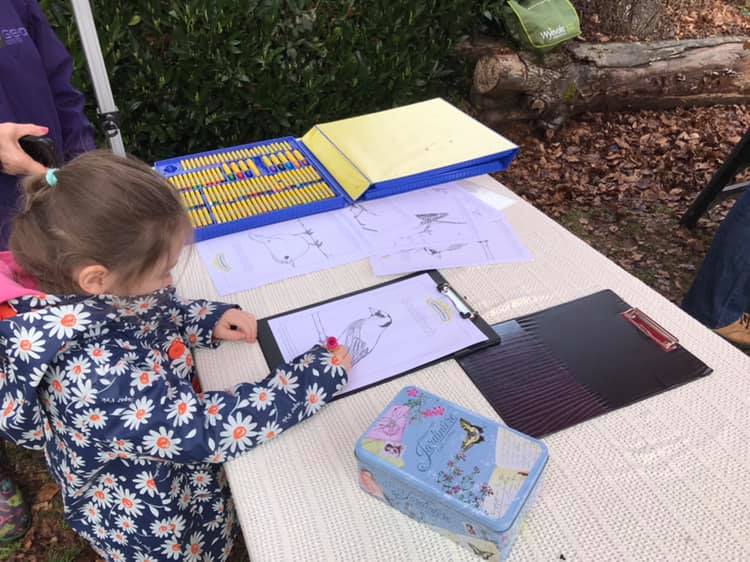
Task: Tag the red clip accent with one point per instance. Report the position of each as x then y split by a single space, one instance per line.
648 326
332 344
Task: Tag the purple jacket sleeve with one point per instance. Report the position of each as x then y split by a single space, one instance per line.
78 133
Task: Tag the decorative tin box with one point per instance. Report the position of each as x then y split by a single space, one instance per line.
469 478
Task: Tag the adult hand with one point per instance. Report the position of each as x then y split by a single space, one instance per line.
13 160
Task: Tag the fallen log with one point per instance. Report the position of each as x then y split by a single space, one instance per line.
610 76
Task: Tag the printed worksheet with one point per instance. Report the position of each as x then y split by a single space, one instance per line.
423 217
252 258
388 330
500 245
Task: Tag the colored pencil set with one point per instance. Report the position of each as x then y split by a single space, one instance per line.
245 182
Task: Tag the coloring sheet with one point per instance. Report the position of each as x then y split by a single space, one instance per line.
423 217
388 330
252 258
501 245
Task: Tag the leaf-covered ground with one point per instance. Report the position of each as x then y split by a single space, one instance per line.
619 181
622 181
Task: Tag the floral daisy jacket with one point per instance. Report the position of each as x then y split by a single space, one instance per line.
104 385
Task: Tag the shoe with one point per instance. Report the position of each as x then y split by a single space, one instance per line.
737 333
14 513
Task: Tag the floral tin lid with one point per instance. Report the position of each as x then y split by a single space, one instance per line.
473 465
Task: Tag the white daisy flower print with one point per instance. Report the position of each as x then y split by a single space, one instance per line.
161 528
141 557
91 513
183 365
78 367
115 555
213 407
108 480
175 317
331 364
172 549
84 394
118 537
126 524
146 328
144 304
27 344
193 335
177 524
145 483
200 311
261 398
184 500
138 413
96 417
238 433
58 385
142 379
79 439
101 496
101 532
162 443
194 549
42 301
269 431
182 410
305 361
63 321
99 353
200 479
128 502
314 398
284 381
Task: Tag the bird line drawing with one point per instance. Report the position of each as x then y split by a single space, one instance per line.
358 211
438 252
428 220
361 336
287 249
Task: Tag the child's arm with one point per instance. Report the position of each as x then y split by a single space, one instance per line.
199 318
167 421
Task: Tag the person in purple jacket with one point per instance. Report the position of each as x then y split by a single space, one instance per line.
36 98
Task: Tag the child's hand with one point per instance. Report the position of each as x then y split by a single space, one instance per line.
341 353
236 325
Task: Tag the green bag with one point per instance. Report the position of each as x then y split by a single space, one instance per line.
541 25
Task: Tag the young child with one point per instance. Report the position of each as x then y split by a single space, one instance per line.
96 366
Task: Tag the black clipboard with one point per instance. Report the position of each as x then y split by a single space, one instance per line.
273 355
575 361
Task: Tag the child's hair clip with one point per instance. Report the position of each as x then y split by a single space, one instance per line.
51 177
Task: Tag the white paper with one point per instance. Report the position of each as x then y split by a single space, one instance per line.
252 258
418 218
388 330
487 196
500 245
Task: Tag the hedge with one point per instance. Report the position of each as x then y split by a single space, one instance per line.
192 75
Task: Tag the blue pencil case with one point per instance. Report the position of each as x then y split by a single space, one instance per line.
468 478
250 185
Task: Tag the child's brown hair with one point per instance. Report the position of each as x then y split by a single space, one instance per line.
103 209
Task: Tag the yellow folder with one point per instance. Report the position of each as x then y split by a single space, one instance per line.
402 142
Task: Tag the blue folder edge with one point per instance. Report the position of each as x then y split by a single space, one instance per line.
480 166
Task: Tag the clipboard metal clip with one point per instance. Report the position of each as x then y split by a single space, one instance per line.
461 305
648 326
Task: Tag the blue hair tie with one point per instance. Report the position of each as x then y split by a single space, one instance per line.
51 177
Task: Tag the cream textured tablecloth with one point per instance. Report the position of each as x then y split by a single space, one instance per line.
665 479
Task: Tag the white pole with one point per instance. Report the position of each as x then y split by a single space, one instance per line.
108 113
